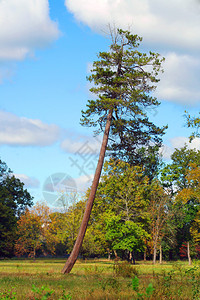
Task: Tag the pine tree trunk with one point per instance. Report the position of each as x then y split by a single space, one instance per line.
188 253
75 252
160 254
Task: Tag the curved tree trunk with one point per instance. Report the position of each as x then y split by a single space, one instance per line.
75 252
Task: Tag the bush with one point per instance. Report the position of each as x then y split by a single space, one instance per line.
124 269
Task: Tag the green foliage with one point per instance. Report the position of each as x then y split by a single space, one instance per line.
13 201
148 292
159 215
125 236
8 295
194 277
121 206
123 80
124 269
68 223
174 175
44 292
193 122
135 283
109 282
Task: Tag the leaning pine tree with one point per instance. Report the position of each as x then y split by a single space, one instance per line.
123 80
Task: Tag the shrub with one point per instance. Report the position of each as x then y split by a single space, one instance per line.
124 269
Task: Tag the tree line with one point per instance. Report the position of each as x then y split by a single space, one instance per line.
133 216
140 205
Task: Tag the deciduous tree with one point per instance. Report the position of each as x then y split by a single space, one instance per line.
173 175
14 199
29 234
158 215
122 203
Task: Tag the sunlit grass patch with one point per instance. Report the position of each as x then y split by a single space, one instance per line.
98 279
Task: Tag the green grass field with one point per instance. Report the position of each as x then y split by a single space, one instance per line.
98 279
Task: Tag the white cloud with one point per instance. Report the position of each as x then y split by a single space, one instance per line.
83 145
172 23
20 131
180 80
30 182
168 26
166 152
24 26
178 142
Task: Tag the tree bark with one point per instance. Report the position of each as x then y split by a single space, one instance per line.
108 254
145 254
188 253
133 257
154 254
130 257
160 254
115 253
75 252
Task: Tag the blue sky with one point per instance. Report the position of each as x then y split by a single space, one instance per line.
46 50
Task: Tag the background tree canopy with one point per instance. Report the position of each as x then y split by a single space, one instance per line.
13 201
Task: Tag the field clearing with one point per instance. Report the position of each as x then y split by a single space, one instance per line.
97 279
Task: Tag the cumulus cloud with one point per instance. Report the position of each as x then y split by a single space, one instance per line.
171 23
24 26
30 182
180 80
169 26
178 142
82 145
20 131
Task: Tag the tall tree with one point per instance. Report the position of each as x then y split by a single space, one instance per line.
188 200
29 232
174 175
13 201
123 80
122 202
128 236
36 229
158 215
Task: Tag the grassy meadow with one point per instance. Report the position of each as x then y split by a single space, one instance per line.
98 279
